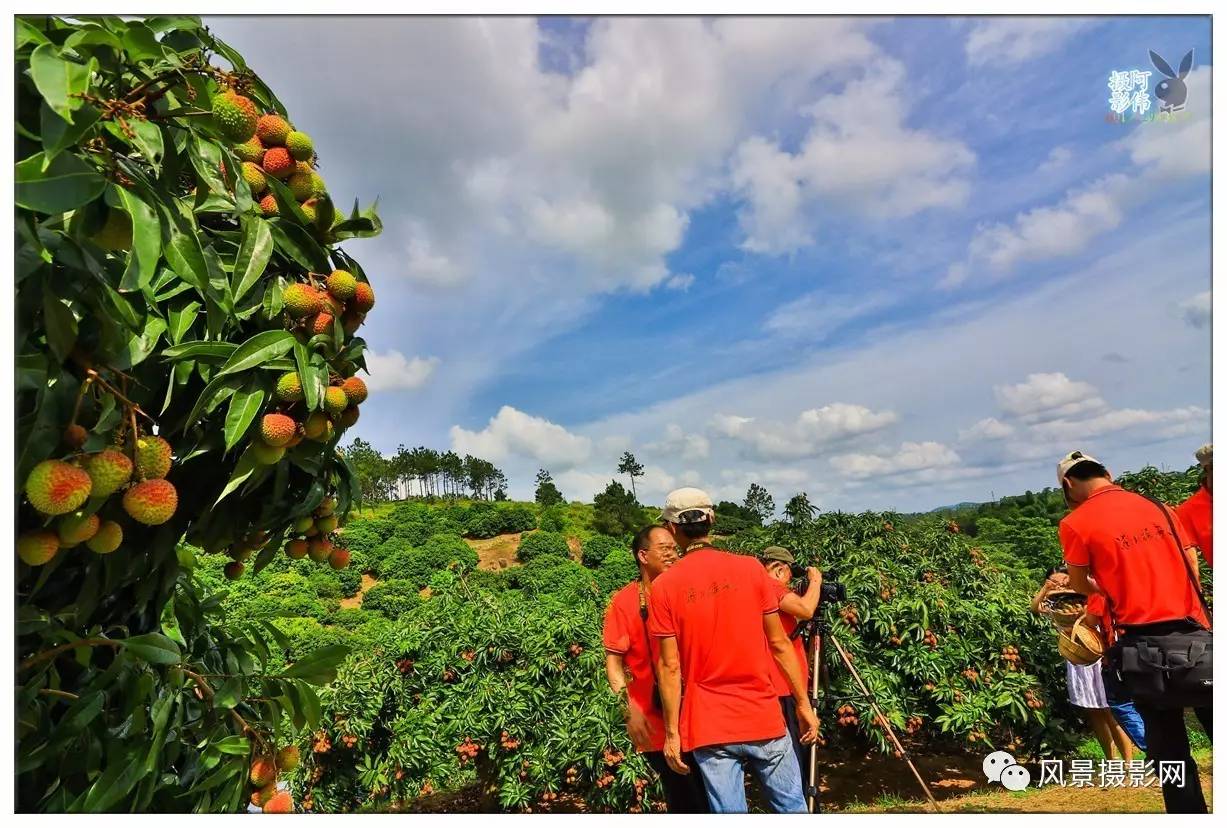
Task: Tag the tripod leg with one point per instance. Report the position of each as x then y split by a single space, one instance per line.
811 787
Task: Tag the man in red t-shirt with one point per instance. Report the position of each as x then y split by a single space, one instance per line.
628 650
716 616
1135 553
779 563
1197 513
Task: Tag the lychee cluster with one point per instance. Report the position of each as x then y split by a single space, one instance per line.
315 538
272 148
263 776
342 297
72 494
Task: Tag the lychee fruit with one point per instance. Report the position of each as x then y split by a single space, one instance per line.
261 796
319 549
322 324
75 436
152 457
151 502
341 284
296 549
107 539
303 523
348 417
76 528
57 488
300 185
301 300
339 559
252 150
265 454
108 470
277 163
326 524
355 390
281 803
364 297
299 145
254 176
268 205
335 400
308 211
318 427
36 548
272 130
327 506
289 387
235 116
263 771
277 429
287 758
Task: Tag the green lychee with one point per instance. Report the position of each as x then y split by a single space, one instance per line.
151 502
153 457
76 527
265 454
107 539
300 185
300 300
235 116
341 284
252 150
254 176
36 548
108 470
335 400
299 145
289 387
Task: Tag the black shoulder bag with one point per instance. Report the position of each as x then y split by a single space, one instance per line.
1168 668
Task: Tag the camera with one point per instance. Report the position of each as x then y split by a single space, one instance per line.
831 591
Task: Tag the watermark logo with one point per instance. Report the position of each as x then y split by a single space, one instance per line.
1129 92
1001 767
1110 773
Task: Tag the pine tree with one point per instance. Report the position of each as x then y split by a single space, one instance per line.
631 467
547 493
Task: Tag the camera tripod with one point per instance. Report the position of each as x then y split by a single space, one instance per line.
814 633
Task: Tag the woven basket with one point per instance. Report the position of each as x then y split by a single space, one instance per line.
1063 607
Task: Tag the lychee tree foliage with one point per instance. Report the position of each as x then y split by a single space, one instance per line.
943 637
155 350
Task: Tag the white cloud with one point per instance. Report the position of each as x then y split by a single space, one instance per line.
817 314
989 428
678 444
812 431
1196 310
513 432
859 155
1011 40
391 371
1162 424
1058 158
425 265
680 281
1181 146
1044 397
910 457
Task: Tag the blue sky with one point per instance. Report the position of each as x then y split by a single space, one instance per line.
893 263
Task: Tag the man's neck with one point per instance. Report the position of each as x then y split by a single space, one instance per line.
703 541
1098 484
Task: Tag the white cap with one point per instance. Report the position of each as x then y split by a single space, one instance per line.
688 505
1205 455
1069 461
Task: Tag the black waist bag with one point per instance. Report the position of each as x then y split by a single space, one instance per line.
1170 664
1169 670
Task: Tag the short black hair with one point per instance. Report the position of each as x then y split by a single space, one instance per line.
643 539
698 529
1086 470
1052 570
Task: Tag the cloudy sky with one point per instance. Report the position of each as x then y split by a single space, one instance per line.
892 263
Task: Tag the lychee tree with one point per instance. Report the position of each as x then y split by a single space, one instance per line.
186 364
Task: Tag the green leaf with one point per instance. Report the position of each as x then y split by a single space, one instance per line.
319 666
214 392
59 81
257 350
27 32
254 253
147 138
226 697
206 158
61 325
58 135
312 387
244 406
246 466
295 242
181 320
146 241
65 184
139 346
186 257
233 745
154 648
140 42
205 351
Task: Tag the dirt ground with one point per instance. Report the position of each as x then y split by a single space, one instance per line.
499 552
356 600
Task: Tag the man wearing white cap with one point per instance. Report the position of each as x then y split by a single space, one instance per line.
707 610
1197 513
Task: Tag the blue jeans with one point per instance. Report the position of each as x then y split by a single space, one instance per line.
773 761
1130 720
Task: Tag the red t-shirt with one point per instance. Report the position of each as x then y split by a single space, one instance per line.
790 625
1197 515
713 602
1126 543
626 634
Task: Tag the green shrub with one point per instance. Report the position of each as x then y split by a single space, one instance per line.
617 570
358 537
351 617
562 578
489 581
350 580
447 549
552 519
597 547
536 544
393 598
325 584
306 635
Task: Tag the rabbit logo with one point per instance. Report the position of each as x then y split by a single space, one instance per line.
1172 90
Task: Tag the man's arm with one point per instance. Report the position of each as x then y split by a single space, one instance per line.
803 607
786 659
1080 580
669 674
636 722
615 672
